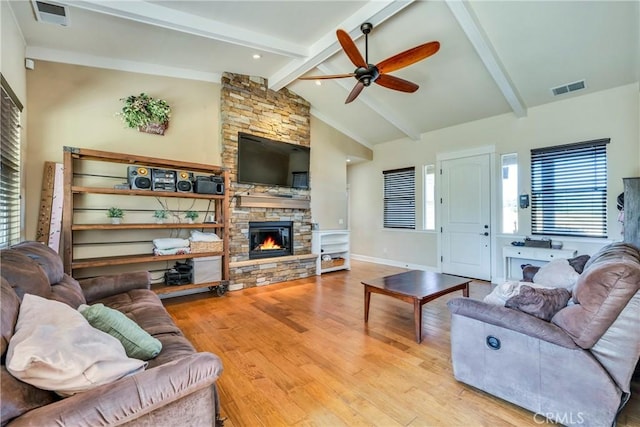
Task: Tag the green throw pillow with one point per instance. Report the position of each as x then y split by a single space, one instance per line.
136 341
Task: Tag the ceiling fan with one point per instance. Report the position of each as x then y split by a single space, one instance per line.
366 73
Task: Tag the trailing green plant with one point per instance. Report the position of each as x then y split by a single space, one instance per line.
114 212
161 214
191 214
142 110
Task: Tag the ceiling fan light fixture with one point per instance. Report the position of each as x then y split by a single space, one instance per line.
366 73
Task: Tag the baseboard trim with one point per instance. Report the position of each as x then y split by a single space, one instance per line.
394 263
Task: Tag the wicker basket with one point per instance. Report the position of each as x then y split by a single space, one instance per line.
199 247
335 262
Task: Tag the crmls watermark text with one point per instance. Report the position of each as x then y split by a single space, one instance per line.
567 418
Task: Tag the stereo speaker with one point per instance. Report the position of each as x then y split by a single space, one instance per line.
209 185
184 182
139 178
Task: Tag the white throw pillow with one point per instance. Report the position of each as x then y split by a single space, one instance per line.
556 274
55 348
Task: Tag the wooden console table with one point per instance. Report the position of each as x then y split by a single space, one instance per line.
529 255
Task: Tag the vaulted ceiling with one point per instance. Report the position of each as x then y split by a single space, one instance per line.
496 57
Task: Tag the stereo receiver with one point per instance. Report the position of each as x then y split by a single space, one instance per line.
163 180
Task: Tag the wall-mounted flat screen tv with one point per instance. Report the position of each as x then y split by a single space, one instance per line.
264 161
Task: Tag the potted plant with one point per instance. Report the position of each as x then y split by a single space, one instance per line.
191 216
160 215
115 214
145 113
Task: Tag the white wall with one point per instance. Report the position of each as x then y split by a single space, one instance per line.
329 151
608 114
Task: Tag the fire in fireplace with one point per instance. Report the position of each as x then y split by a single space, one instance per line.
270 239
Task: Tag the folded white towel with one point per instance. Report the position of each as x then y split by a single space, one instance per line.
199 236
173 251
169 243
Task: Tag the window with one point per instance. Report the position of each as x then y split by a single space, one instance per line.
9 167
399 198
510 193
569 189
429 198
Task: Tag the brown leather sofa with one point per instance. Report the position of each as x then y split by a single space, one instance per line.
575 369
177 388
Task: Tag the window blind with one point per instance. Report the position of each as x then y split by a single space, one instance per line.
569 189
399 198
9 167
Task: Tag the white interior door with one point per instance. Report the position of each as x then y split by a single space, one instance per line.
466 216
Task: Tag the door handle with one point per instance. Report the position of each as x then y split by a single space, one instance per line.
484 234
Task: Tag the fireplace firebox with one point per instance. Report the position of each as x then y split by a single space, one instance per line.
270 239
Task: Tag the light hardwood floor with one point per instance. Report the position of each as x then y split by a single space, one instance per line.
299 354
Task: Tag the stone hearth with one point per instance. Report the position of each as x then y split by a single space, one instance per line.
247 105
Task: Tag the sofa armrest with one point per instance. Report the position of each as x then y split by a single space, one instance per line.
132 397
510 319
105 286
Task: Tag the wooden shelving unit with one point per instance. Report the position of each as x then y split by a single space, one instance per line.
73 229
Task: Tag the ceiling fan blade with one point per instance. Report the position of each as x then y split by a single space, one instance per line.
350 49
355 92
328 76
408 57
396 83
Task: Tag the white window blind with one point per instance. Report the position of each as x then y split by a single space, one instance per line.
569 189
9 167
400 198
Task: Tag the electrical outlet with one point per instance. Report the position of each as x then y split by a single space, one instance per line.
340 221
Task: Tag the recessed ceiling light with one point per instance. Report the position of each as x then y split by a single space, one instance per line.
318 83
348 160
257 56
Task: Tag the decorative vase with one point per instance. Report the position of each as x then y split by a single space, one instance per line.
115 220
159 221
190 220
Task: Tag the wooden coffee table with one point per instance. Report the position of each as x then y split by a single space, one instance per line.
417 287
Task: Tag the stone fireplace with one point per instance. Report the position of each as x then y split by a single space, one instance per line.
249 106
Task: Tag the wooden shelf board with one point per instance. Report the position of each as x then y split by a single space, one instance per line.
103 190
330 269
144 226
161 288
135 259
130 159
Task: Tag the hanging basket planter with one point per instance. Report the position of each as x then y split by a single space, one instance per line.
147 114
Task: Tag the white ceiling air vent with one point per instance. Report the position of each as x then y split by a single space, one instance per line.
569 87
51 12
